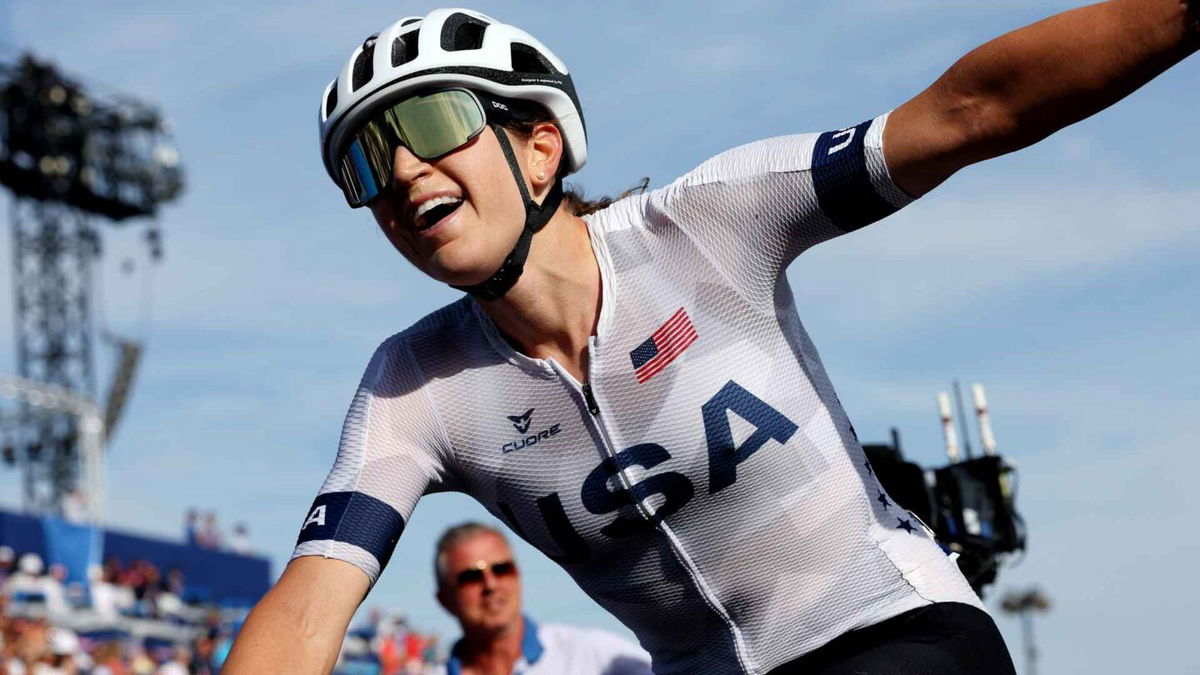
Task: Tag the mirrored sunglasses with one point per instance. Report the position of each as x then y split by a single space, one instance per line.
474 575
430 125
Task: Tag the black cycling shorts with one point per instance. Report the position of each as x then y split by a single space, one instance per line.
945 638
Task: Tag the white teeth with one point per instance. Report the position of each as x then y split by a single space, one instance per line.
436 201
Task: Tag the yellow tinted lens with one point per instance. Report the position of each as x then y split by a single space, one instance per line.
438 123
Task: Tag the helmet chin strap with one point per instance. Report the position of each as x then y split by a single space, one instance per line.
536 217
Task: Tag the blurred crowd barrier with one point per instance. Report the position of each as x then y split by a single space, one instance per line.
75 599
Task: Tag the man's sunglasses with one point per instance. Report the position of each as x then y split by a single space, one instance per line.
430 125
474 575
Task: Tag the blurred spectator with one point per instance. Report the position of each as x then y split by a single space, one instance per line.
430 655
140 662
240 541
107 597
54 589
179 663
58 572
74 507
191 528
27 645
174 581
202 653
479 584
414 652
63 654
29 585
389 647
30 565
112 569
8 635
146 587
373 626
73 593
221 649
209 536
385 644
8 561
25 585
108 660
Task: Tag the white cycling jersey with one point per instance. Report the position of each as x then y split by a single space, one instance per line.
705 485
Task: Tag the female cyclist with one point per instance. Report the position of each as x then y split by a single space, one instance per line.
630 388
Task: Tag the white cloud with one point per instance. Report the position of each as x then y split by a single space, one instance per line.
942 254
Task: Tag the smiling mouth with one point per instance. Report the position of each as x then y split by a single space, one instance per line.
434 211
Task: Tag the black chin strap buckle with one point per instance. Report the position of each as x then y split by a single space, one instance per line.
536 217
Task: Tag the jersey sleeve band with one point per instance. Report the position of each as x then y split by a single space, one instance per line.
354 518
842 180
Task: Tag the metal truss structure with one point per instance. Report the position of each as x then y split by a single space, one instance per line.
67 157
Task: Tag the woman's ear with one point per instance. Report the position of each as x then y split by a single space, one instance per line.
545 155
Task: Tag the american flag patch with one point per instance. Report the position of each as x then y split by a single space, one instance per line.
668 342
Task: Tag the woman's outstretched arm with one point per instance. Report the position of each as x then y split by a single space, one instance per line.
299 625
1021 87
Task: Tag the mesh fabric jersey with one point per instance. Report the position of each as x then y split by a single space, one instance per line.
705 486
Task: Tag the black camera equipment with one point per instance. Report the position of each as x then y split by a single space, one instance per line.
969 503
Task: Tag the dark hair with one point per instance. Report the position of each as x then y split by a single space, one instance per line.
524 116
578 204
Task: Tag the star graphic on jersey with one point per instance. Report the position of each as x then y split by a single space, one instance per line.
905 525
883 499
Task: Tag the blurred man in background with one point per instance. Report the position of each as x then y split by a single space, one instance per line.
478 583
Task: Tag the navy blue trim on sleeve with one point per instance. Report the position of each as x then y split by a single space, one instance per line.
842 180
354 518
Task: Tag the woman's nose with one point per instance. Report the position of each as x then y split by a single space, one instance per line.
407 168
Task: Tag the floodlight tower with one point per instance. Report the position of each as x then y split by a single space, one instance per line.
1024 604
68 156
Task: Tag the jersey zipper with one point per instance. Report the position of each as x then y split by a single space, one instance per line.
592 406
589 399
610 450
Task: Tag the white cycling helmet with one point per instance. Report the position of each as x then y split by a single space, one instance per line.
449 47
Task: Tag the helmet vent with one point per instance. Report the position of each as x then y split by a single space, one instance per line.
331 99
364 68
411 21
461 32
404 48
526 59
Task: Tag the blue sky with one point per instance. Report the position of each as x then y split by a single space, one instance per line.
1062 277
